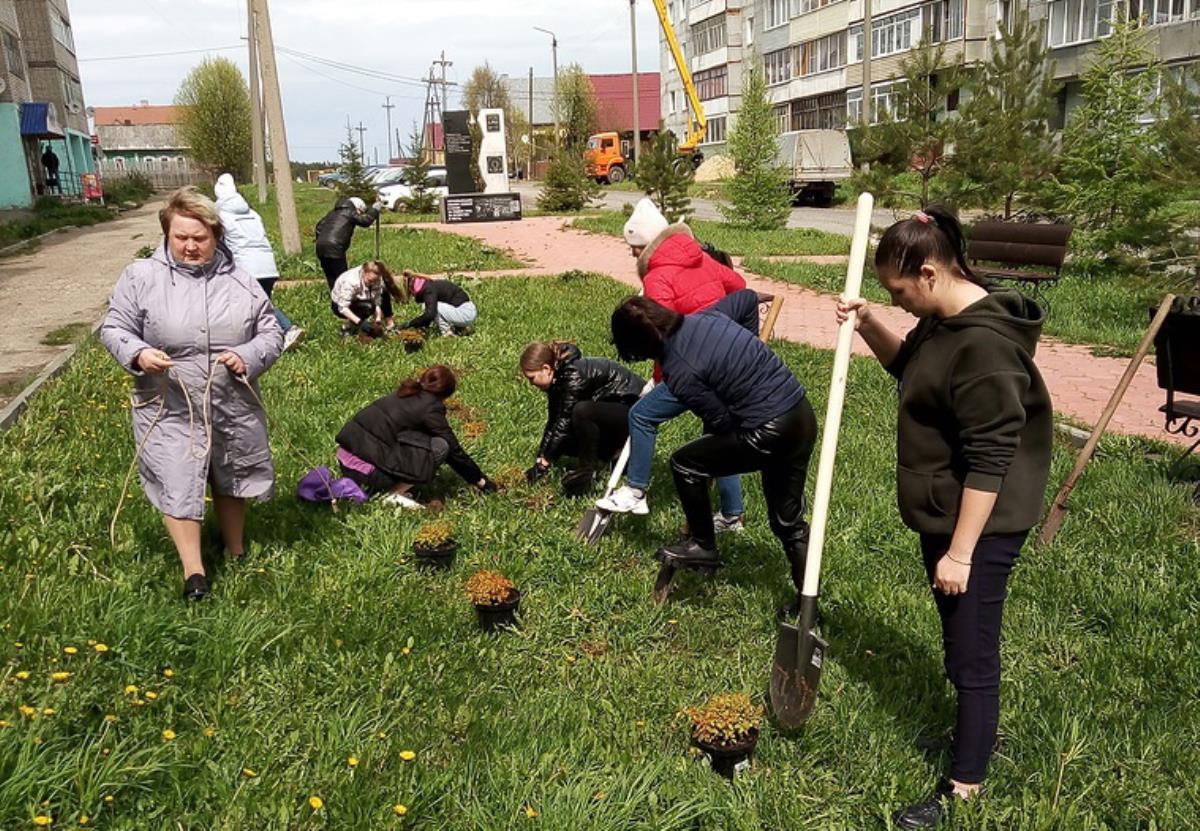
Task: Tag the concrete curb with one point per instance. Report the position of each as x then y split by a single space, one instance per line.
17 246
10 414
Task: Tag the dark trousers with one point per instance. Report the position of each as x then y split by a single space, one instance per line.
598 431
780 449
335 267
971 645
379 482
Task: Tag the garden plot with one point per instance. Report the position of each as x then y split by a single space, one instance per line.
331 682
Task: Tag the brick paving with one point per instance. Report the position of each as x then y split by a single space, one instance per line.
1079 381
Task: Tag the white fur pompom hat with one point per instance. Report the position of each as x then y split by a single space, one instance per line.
646 223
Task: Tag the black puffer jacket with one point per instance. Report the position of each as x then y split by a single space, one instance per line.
336 228
432 293
394 433
582 379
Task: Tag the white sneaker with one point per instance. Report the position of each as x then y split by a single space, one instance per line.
292 337
723 523
624 500
401 501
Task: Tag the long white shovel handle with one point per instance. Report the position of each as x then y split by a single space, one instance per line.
837 397
623 459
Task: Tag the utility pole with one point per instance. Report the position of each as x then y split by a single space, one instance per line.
529 172
637 102
362 148
554 55
866 70
443 63
257 137
289 226
389 106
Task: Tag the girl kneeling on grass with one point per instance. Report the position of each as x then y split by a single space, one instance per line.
399 440
445 303
363 296
588 403
974 433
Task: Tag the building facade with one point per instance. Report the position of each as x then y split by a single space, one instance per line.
142 138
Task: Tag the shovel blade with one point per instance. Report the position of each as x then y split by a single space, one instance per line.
662 583
593 525
796 670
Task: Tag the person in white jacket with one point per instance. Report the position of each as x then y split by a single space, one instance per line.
247 239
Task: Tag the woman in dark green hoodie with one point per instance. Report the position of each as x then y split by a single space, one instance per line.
974 430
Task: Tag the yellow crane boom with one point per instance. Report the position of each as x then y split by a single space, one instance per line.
697 124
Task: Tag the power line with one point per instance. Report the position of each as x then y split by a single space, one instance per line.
157 54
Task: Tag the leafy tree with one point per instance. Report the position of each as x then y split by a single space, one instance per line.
1178 134
354 180
216 117
758 193
1004 147
567 187
575 104
1106 183
421 201
913 135
665 177
487 90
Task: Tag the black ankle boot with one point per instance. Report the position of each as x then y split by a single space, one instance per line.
195 587
929 812
690 554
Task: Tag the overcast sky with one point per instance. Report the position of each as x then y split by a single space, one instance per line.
400 37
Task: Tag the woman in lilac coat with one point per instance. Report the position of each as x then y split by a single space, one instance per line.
196 332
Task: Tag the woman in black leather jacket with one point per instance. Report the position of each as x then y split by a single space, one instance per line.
588 407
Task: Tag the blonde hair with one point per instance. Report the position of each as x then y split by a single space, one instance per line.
189 202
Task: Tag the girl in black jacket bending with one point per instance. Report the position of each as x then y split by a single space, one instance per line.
399 440
588 402
756 416
974 432
445 303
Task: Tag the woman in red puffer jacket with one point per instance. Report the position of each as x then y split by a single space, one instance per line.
677 273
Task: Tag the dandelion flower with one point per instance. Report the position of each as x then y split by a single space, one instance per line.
168 673
209 732
91 642
138 702
26 710
18 645
131 689
4 724
23 675
316 803
100 647
352 761
84 819
168 735
71 650
399 810
49 711
529 812
407 755
111 718
405 651
249 773
42 819
109 799
59 677
151 695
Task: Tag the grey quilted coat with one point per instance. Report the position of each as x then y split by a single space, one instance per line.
195 314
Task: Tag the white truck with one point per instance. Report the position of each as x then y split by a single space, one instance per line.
816 160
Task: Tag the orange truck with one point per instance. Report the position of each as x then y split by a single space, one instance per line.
605 160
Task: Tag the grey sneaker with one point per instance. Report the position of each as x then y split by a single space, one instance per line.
734 524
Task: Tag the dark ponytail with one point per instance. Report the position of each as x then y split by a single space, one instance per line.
932 235
438 380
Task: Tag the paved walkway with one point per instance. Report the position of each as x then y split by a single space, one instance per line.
1079 382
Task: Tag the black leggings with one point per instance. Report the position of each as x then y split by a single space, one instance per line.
379 482
971 644
780 449
598 431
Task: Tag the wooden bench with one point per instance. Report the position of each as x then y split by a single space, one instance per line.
1037 249
1177 359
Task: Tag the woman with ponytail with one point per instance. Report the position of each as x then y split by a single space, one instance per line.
445 304
974 433
363 297
399 441
588 402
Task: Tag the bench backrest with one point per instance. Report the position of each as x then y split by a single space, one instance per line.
1019 243
1177 348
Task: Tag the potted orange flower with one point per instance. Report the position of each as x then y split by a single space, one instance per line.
726 729
495 599
435 546
412 339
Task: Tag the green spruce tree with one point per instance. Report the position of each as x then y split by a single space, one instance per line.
666 177
420 200
567 187
759 196
353 181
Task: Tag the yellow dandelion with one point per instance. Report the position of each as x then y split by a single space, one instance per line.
381 735
37 739
100 647
672 621
111 718
42 819
71 650
4 724
23 675
59 677
109 799
399 810
84 819
131 689
316 803
137 702
151 695
209 732
405 651
168 735
91 642
352 761
49 711
407 755
529 812
249 773
168 673
18 645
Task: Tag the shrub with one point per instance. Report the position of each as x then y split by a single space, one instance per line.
726 719
134 187
489 588
567 186
434 534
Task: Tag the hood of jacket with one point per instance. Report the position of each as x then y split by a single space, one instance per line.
567 352
228 198
1006 312
675 246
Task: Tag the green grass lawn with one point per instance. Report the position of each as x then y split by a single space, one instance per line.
328 643
740 243
49 214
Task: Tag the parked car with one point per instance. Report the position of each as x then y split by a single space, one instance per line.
392 194
330 180
389 176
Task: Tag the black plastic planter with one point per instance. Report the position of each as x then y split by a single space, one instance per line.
493 616
438 558
729 760
411 346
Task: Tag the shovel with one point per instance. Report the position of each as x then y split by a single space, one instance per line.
800 650
595 520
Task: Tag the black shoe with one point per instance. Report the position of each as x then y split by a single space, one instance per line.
579 482
195 587
689 554
929 813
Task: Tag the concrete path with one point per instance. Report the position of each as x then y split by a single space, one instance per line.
1079 382
64 279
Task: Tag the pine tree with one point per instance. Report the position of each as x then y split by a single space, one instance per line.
665 177
1005 147
353 181
567 187
1178 134
420 200
758 193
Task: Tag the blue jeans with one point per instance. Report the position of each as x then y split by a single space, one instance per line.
658 407
267 285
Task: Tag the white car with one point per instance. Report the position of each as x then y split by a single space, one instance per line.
396 187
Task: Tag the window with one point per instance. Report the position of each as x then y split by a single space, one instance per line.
674 108
1076 21
820 112
119 163
715 133
708 35
72 91
12 55
712 83
780 112
750 30
812 5
148 164
884 101
822 54
62 32
942 20
777 66
889 35
777 13
794 7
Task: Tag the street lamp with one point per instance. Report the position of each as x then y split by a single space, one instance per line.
554 53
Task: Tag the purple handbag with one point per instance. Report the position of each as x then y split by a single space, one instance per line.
318 485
